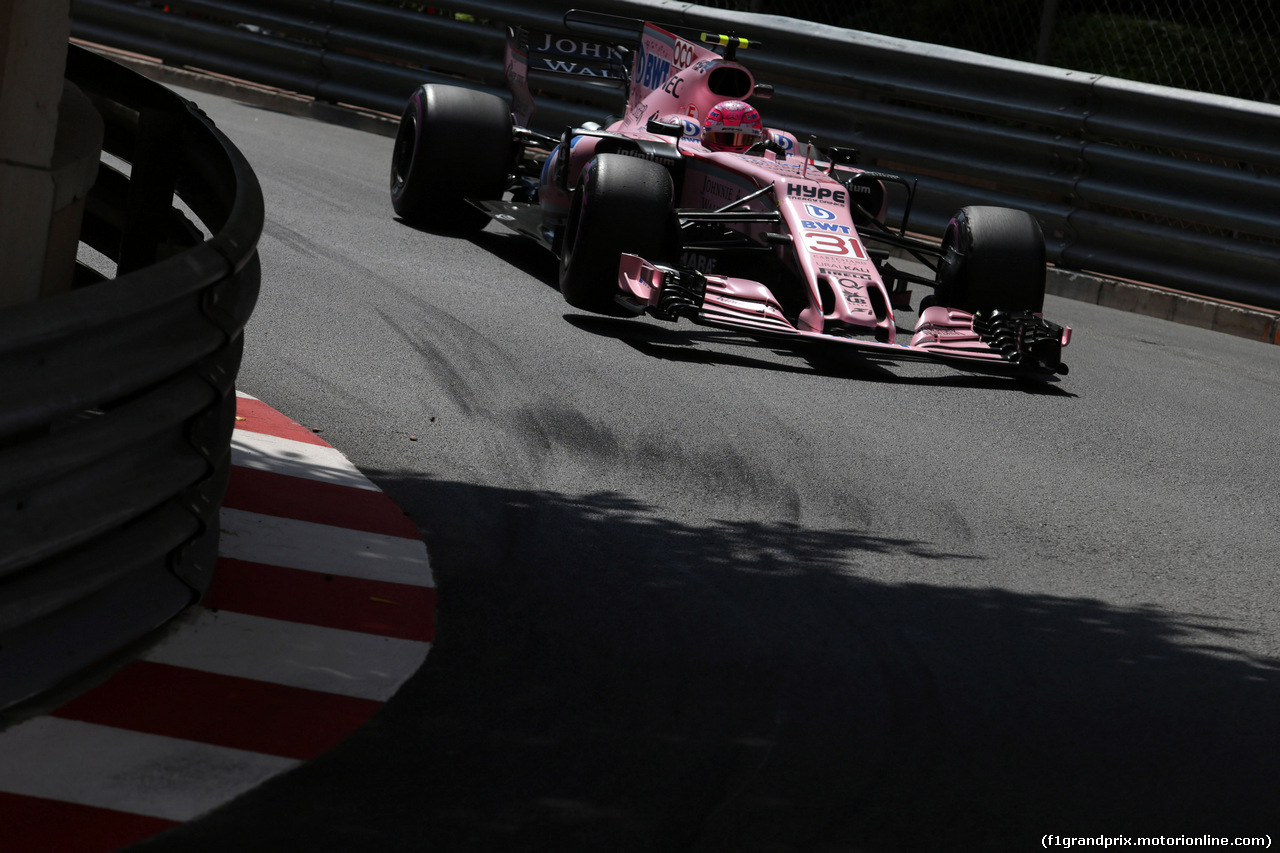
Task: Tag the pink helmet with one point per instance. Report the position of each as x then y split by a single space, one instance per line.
731 126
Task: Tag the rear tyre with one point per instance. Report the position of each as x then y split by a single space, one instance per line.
993 258
621 204
453 144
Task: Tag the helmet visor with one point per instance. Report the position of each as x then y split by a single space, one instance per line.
730 139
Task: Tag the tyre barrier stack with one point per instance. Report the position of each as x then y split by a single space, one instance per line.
117 398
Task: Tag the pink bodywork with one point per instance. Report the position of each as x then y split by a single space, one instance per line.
675 80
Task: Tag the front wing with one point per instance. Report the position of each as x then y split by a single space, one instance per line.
1019 342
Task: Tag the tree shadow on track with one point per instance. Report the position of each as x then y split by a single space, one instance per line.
606 677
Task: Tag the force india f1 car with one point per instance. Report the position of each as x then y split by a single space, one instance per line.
687 207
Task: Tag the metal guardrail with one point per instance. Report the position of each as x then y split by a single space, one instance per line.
1161 185
116 399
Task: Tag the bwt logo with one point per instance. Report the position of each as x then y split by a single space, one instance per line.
829 227
816 212
816 193
655 72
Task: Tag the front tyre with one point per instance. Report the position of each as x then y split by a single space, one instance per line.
993 258
453 144
621 204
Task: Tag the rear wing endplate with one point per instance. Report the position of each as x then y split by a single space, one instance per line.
531 54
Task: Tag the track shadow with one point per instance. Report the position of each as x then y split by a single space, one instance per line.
685 342
876 368
607 677
521 252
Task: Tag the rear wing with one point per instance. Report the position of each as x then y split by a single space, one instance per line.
531 54
608 49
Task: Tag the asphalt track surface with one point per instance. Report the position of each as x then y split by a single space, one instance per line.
696 595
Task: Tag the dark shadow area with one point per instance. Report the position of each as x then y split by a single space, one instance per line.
515 249
522 253
872 367
609 678
685 342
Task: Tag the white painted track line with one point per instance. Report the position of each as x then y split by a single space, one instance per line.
131 753
324 464
127 771
330 660
323 548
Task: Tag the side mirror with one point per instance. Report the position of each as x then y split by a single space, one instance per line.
663 128
762 91
776 147
843 156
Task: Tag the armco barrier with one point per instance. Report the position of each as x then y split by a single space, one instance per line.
116 399
1162 185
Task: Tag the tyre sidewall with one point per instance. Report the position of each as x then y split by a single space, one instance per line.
993 258
462 147
621 204
406 192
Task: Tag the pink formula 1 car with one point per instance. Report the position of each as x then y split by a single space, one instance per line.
688 206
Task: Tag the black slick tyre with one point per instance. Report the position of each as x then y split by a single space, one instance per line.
453 144
621 204
993 258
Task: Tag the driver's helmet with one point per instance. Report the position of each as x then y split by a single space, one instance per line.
731 126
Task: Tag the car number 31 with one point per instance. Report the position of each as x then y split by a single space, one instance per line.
833 244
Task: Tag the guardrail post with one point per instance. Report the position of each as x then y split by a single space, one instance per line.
1048 18
151 186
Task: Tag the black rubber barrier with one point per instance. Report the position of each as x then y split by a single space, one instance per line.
117 399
